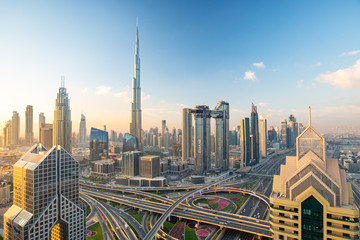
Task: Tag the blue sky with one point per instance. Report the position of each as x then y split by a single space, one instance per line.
281 55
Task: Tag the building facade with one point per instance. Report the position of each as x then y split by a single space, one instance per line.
131 163
46 197
186 124
46 135
7 134
221 115
15 128
311 198
99 144
29 116
263 136
245 145
62 125
103 168
254 131
150 166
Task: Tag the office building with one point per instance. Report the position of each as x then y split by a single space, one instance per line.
42 120
135 124
284 134
202 151
150 166
263 136
46 197
245 145
4 192
99 144
254 131
46 135
7 134
186 124
311 198
62 126
131 163
163 129
15 128
29 116
221 115
272 135
103 168
130 143
82 131
294 130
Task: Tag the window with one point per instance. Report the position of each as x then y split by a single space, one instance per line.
307 211
346 235
281 221
329 224
281 237
346 226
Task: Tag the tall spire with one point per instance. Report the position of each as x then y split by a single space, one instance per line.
309 116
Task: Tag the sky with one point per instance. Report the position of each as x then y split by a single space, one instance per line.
281 55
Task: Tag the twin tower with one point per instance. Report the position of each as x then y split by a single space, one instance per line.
202 136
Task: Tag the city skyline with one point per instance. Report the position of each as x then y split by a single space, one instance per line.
103 93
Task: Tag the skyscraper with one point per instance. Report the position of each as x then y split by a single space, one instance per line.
82 131
46 135
311 198
254 130
294 130
99 144
221 115
62 127
135 124
284 134
29 134
186 125
7 134
41 121
15 128
163 130
245 145
202 142
263 136
46 197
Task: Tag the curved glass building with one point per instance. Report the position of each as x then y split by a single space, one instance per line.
99 144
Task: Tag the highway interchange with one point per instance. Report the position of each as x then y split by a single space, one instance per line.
244 224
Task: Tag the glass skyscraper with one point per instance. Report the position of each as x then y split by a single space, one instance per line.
130 143
99 144
46 197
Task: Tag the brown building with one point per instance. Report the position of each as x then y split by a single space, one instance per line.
149 166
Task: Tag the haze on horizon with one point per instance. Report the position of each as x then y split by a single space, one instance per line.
283 56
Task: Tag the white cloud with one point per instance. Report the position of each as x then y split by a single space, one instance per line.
259 65
84 90
263 104
182 105
250 75
300 83
318 64
343 78
355 52
101 90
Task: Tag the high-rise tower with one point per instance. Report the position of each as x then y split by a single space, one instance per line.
15 128
62 127
186 124
254 131
41 121
135 124
46 197
82 131
263 136
29 134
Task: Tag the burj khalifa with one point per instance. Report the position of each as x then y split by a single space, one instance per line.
135 124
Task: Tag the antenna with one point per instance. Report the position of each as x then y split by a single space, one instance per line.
62 81
309 116
137 22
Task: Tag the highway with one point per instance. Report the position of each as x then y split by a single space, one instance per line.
217 218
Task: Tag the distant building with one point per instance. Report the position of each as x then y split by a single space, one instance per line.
131 163
82 131
62 125
15 128
46 197
149 166
4 193
263 136
186 124
42 120
245 144
7 134
130 143
254 131
284 134
46 135
99 144
311 198
103 168
29 134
